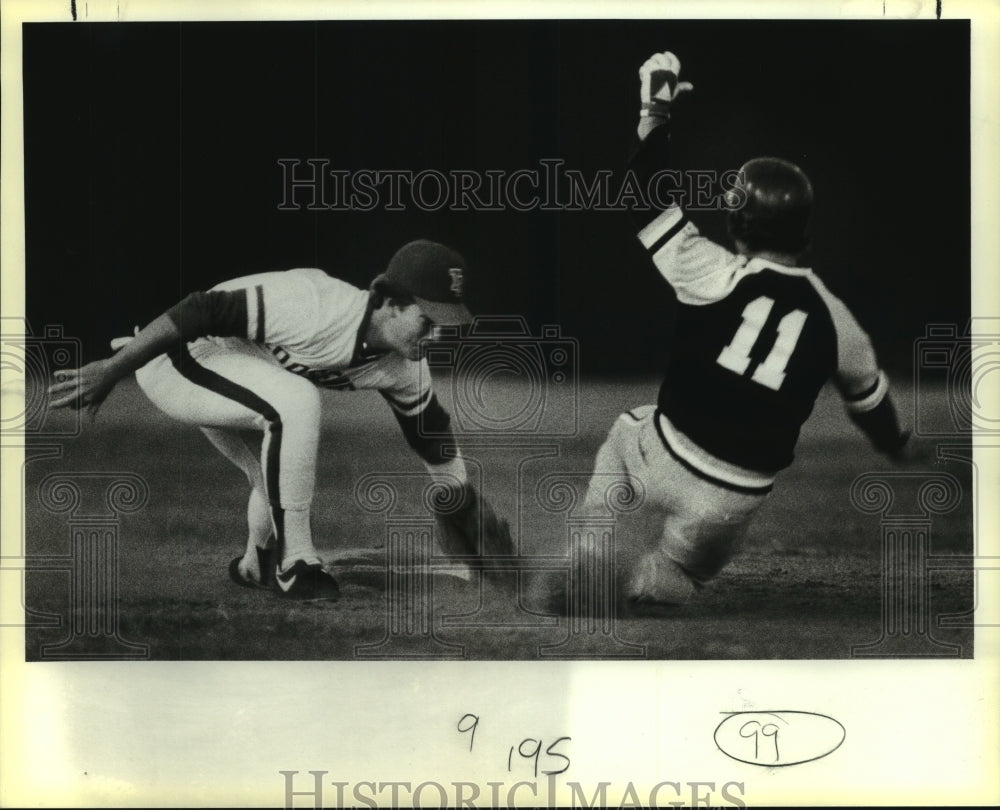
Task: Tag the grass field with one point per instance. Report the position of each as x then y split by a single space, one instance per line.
808 584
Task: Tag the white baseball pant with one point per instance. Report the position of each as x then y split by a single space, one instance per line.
700 522
233 386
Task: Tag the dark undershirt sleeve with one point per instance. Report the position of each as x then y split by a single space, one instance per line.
650 156
881 425
427 432
222 313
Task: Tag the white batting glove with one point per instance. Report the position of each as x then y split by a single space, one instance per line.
660 85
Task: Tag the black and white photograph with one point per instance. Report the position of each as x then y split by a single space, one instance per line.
504 345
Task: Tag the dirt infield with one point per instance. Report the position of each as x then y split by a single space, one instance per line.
808 584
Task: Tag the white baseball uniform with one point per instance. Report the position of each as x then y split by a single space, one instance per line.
257 349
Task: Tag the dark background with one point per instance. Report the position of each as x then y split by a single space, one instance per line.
151 160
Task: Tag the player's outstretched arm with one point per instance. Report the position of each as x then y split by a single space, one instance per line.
659 86
874 413
88 386
222 313
863 385
468 525
687 260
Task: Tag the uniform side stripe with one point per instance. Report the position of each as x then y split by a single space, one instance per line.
663 226
702 474
259 335
192 370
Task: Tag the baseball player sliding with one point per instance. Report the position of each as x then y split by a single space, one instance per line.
251 353
756 337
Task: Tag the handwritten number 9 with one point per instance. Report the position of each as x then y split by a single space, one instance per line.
747 730
469 727
526 754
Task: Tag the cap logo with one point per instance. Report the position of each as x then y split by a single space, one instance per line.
457 281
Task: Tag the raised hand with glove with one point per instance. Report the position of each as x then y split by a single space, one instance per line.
660 85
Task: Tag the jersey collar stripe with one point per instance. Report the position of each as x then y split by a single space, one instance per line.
662 224
702 467
192 370
259 333
359 343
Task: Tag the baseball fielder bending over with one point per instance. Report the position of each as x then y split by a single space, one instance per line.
756 337
250 353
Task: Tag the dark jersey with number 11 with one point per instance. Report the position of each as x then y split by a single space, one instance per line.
754 342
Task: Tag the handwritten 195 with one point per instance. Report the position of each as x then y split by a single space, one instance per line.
548 760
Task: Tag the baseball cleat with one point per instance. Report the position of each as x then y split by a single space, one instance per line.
259 575
307 581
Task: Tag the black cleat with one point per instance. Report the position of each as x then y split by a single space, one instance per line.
263 577
307 581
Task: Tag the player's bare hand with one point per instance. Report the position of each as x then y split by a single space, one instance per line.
660 79
85 387
119 343
916 451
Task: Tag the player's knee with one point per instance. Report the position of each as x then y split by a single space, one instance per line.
625 426
704 553
657 579
298 404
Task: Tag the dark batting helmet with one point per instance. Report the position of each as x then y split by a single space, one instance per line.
777 201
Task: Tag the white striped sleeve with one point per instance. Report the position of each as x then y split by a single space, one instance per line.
697 268
282 307
255 313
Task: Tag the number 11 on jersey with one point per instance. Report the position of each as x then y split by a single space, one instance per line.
736 356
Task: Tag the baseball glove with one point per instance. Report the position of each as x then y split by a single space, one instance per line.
468 525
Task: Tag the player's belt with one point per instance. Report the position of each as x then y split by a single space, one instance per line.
707 467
